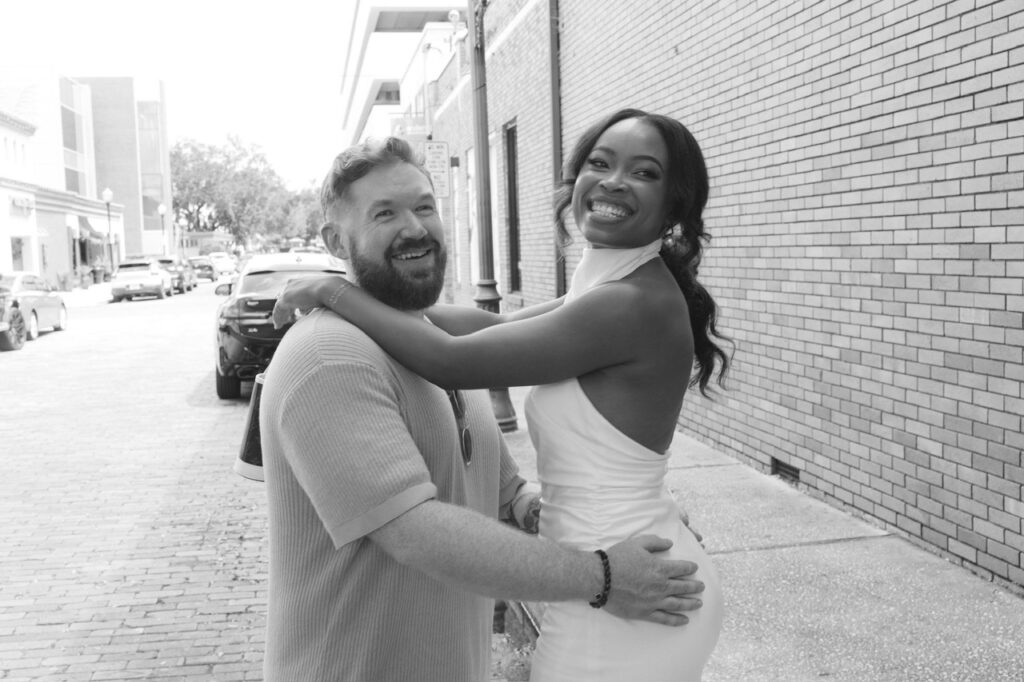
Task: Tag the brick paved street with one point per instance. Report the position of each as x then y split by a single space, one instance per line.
128 549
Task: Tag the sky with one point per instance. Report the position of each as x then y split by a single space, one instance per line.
269 73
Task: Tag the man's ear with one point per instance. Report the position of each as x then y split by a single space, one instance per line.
331 234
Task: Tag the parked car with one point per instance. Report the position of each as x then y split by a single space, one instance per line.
203 267
141 277
183 275
27 305
223 263
246 338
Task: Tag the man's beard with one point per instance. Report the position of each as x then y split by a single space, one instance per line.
381 280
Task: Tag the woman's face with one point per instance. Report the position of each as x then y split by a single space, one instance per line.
619 198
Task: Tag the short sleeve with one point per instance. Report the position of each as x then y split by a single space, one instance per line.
350 449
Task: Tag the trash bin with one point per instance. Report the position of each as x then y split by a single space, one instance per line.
97 275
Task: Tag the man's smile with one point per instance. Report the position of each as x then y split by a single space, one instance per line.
412 255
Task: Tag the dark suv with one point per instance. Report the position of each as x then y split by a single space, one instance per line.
246 338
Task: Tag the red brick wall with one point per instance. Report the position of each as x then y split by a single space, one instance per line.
867 222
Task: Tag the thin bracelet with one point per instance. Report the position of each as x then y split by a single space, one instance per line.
342 288
602 599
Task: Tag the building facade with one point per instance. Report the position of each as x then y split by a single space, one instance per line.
85 167
133 158
53 217
866 222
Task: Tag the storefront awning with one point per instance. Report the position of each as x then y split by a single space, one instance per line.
86 230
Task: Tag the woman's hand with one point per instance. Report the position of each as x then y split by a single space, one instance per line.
302 295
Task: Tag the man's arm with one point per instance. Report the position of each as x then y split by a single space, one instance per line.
464 548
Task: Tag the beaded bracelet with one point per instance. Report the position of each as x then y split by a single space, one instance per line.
602 598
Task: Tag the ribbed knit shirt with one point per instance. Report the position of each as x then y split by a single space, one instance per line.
351 440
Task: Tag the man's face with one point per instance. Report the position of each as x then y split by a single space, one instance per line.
388 229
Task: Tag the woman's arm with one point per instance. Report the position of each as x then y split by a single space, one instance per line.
312 292
458 320
604 328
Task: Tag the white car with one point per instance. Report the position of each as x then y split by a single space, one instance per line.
27 304
223 263
141 277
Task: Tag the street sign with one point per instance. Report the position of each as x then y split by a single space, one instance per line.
438 164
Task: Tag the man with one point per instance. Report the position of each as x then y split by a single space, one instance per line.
384 490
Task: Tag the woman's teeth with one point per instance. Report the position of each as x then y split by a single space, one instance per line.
608 210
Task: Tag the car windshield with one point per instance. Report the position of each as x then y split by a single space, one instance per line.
271 282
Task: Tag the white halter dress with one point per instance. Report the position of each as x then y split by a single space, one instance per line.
598 487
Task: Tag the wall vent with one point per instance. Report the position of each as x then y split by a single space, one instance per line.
787 472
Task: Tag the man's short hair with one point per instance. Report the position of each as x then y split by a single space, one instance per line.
360 159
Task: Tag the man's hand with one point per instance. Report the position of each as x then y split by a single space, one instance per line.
647 587
300 295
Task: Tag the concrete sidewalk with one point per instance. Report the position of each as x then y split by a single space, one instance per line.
814 593
94 295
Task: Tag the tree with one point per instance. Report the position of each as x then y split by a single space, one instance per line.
305 216
230 187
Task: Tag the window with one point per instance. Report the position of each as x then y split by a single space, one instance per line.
69 125
17 253
515 280
72 181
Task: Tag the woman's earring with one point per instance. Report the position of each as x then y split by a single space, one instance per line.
668 236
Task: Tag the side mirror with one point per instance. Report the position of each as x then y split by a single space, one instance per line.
223 289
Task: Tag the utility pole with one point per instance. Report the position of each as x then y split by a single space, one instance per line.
486 297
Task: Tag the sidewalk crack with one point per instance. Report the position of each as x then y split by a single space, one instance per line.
810 543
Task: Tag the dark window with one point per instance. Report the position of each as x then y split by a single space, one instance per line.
72 180
70 127
515 280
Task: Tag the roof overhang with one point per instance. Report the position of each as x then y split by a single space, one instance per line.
384 37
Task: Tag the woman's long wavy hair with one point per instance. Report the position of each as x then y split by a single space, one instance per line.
687 186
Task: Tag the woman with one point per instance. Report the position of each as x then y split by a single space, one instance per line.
611 363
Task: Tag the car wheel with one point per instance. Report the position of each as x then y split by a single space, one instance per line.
116 299
62 323
33 327
228 388
14 337
161 293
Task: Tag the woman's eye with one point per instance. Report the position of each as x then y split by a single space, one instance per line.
386 213
426 209
596 162
649 174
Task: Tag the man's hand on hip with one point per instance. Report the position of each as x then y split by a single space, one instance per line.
648 587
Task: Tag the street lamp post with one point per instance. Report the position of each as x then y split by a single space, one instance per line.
108 196
161 209
487 296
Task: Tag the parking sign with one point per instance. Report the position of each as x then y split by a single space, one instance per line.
438 164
